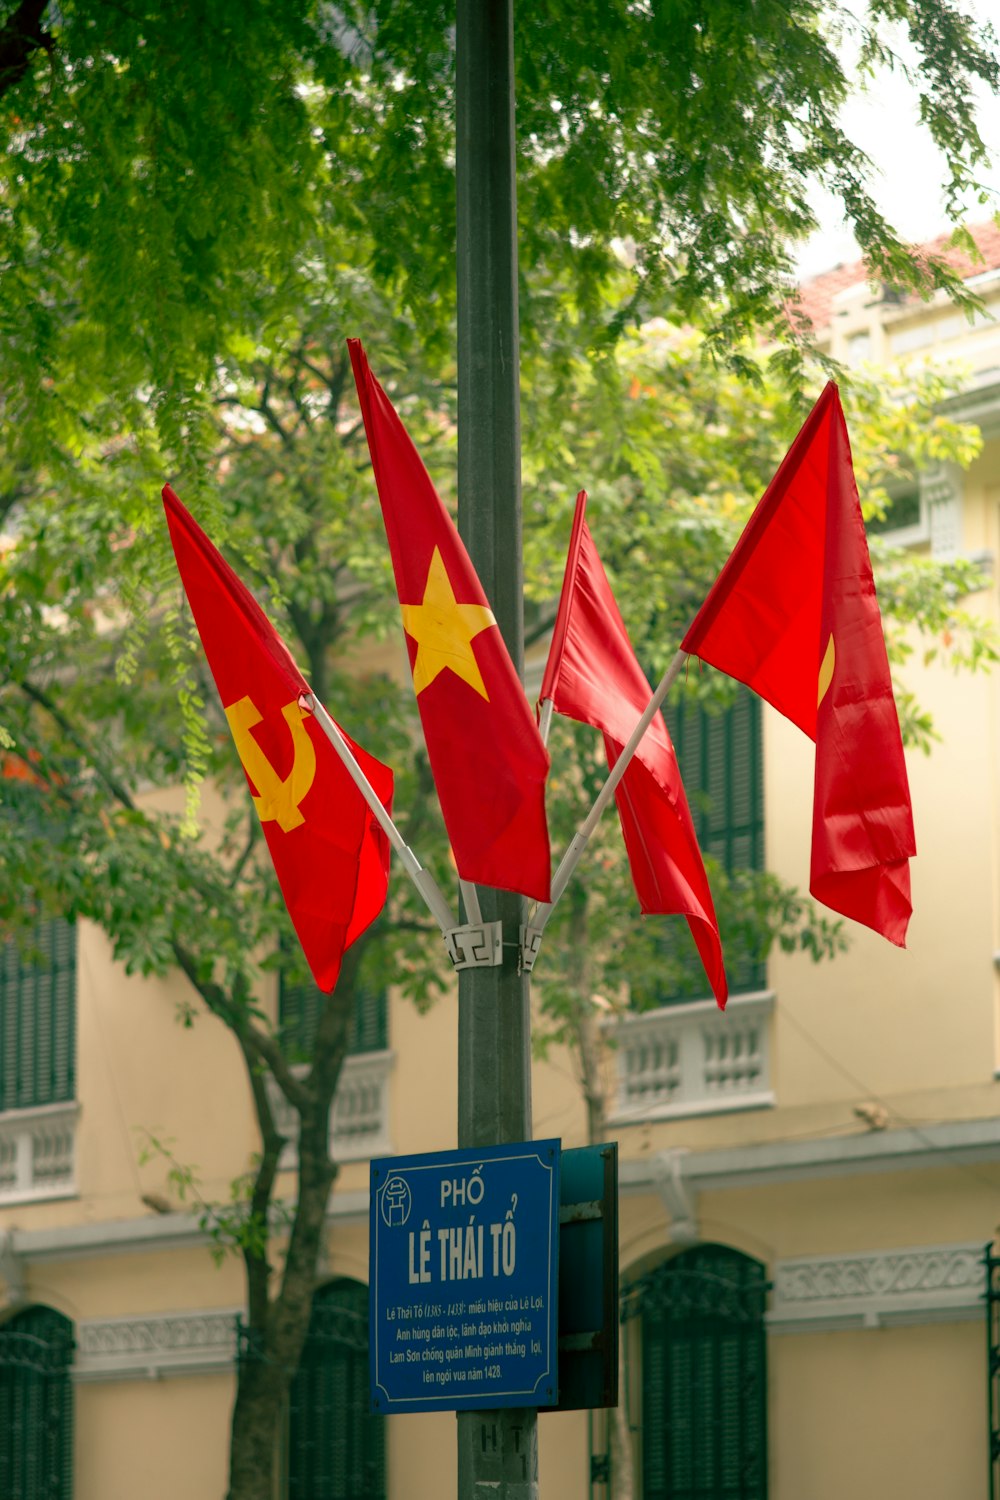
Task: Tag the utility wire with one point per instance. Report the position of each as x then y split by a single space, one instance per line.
891 1111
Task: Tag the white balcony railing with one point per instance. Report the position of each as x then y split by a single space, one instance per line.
38 1153
359 1122
359 1118
694 1059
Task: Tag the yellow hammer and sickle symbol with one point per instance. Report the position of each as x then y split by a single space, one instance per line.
279 799
826 671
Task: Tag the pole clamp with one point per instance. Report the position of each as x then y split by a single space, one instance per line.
477 945
531 941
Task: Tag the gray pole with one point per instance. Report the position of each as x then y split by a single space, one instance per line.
497 1450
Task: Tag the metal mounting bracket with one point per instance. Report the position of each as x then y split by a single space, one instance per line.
531 941
477 945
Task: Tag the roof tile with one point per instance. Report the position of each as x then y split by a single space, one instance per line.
816 296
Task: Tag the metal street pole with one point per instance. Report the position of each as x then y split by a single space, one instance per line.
497 1450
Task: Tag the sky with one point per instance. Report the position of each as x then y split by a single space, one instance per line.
885 123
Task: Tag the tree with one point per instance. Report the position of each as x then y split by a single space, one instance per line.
76 838
165 173
166 897
196 206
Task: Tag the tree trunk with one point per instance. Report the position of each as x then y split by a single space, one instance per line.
257 1417
278 1328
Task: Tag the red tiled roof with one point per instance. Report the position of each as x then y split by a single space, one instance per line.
816 295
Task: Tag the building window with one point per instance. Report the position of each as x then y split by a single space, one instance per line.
700 1318
905 514
299 1007
941 330
859 348
36 1406
38 1018
721 762
336 1446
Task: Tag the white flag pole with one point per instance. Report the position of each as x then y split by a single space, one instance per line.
470 897
422 879
571 858
545 719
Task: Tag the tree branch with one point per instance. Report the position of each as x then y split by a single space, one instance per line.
406 925
117 788
540 628
332 379
231 1010
255 1256
417 816
267 412
251 844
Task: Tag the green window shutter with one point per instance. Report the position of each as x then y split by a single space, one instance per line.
370 1026
655 1387
721 763
719 755
38 1018
36 1406
336 1448
298 1015
299 1007
704 1413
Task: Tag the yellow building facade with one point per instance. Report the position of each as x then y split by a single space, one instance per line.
807 1183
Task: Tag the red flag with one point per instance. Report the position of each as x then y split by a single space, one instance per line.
793 614
592 676
487 756
330 856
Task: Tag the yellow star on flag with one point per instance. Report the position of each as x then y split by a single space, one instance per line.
444 631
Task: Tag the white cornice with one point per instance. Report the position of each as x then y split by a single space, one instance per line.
149 1348
765 1163
887 1288
978 402
958 1142
132 1236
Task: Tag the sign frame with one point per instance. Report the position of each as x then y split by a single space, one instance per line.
464 1279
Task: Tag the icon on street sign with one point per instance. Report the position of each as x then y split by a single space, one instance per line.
395 1200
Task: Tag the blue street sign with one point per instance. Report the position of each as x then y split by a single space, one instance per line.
463 1253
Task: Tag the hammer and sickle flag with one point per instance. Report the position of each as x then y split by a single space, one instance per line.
488 759
330 856
793 614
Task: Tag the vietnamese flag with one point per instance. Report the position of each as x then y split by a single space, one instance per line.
485 751
793 614
330 856
592 675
